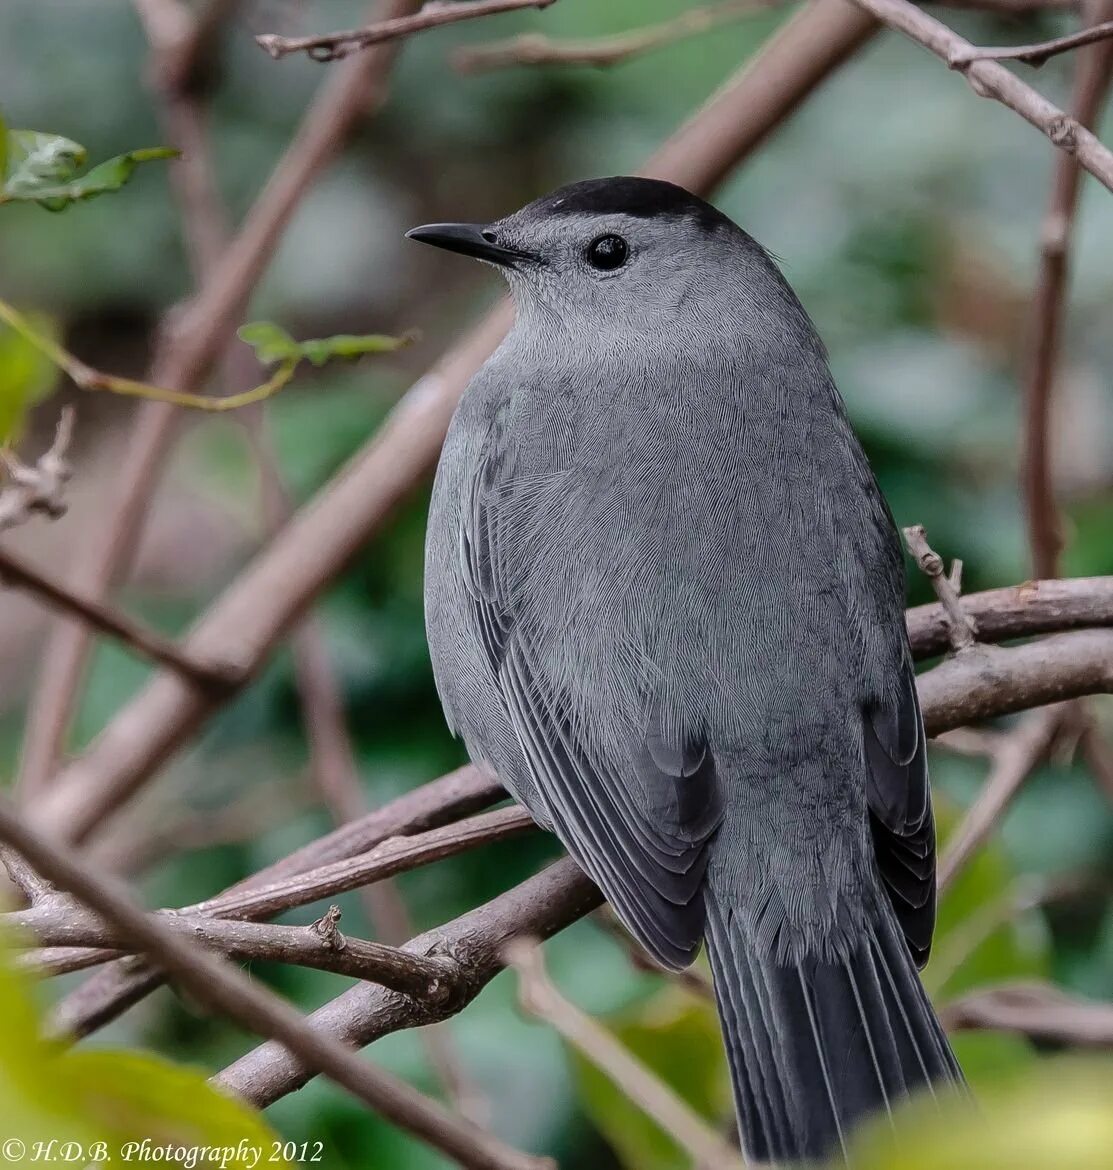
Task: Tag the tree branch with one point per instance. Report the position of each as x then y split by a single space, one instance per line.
1035 55
65 924
991 80
1018 611
226 989
1015 757
395 855
38 490
541 999
539 907
962 629
1037 1010
536 49
148 644
334 46
1092 78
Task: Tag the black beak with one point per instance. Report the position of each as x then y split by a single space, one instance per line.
470 239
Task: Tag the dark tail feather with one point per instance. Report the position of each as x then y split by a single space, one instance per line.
815 1047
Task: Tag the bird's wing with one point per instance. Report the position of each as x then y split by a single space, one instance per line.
638 826
900 812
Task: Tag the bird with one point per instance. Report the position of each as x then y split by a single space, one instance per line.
664 602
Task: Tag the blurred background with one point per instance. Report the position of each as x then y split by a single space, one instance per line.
906 214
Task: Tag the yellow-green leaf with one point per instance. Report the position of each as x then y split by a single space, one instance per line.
107 176
345 345
1057 1119
273 344
111 1097
27 376
36 160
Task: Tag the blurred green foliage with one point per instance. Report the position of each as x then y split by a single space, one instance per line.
110 1099
906 214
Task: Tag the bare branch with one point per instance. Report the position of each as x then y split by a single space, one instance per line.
40 489
24 878
1035 55
334 46
1037 1010
361 1016
226 989
458 794
989 681
1036 607
476 941
962 628
991 80
320 945
395 855
143 641
536 49
1016 756
540 998
1093 76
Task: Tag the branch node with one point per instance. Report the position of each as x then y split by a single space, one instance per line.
962 628
325 928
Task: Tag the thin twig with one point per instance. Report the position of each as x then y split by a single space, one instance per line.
1035 54
334 46
1037 1010
1018 754
222 986
538 908
963 630
40 489
321 945
1092 78
1098 755
459 794
992 80
537 49
145 642
395 855
657 1100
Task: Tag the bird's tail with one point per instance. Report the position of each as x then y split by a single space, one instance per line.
815 1046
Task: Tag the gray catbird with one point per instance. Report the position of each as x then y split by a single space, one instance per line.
665 604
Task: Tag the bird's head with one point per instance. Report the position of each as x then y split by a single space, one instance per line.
622 254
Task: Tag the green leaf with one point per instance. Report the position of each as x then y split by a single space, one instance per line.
345 345
48 1093
3 149
1057 1118
105 177
273 344
36 160
27 376
676 1035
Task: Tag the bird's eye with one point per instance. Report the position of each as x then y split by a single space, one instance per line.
607 253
